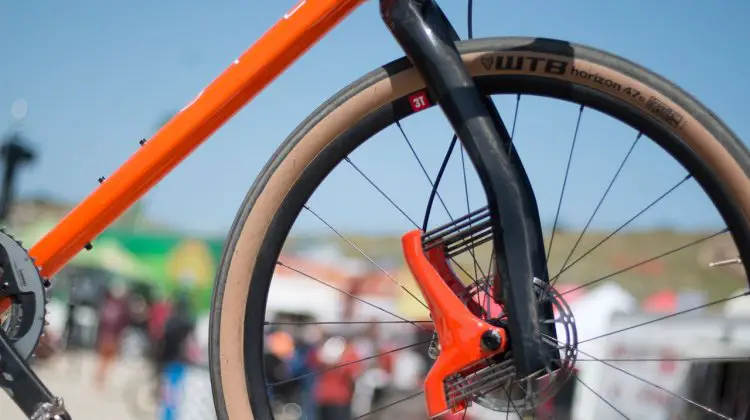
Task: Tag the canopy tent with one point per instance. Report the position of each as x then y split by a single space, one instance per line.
167 262
111 255
300 295
108 254
174 262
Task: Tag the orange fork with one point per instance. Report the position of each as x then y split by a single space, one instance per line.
459 331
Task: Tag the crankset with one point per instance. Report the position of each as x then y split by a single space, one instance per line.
22 321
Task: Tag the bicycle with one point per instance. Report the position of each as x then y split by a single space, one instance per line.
475 353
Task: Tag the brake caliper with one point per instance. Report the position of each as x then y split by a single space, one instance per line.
467 364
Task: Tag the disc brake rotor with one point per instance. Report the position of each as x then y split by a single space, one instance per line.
525 394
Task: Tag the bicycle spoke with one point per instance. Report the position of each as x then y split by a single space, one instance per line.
552 340
512 404
601 201
381 192
507 413
671 359
618 272
600 243
468 205
716 302
421 165
600 397
268 323
687 400
366 256
297 378
513 128
369 180
565 181
350 295
477 267
535 402
434 186
390 404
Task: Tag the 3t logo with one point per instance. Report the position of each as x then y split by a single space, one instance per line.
419 101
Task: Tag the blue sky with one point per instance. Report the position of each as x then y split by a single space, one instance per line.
98 76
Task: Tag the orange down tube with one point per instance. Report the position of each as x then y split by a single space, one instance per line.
306 23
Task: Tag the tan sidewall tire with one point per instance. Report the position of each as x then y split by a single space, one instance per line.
593 69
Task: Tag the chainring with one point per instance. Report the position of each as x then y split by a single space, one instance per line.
22 296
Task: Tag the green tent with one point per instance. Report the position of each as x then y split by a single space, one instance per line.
167 262
31 234
109 254
175 262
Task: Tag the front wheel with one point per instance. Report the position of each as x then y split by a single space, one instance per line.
337 144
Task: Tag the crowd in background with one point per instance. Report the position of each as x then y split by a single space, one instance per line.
128 322
332 383
344 371
314 371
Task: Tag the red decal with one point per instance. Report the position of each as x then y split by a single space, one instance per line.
419 101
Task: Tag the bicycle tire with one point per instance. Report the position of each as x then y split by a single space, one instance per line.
661 110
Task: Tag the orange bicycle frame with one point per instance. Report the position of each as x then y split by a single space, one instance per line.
301 28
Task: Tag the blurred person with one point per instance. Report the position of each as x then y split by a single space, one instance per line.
113 319
302 366
337 361
377 364
176 343
158 314
69 331
139 312
135 342
175 351
278 354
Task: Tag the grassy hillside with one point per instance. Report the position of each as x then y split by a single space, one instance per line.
686 269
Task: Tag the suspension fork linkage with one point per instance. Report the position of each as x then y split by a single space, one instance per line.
428 39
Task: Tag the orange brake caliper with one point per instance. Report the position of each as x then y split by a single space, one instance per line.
461 334
5 304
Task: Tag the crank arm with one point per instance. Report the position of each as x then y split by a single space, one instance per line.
25 388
